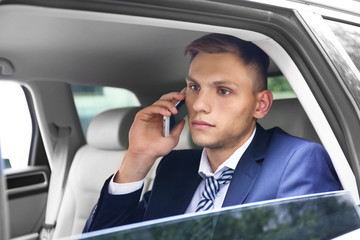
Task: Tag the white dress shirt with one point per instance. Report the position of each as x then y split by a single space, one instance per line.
204 171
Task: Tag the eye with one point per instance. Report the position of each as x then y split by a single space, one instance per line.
224 91
194 87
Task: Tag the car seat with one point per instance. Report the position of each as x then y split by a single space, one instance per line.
107 142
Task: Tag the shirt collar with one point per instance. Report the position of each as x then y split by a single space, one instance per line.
205 168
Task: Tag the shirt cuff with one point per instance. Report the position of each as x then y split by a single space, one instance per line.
124 188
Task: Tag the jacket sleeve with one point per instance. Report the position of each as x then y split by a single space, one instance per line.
116 210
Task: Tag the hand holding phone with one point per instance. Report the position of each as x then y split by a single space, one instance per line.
171 122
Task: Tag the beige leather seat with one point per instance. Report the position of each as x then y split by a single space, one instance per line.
107 142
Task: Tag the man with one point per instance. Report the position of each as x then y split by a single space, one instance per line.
240 161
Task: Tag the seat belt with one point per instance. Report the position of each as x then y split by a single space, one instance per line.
60 166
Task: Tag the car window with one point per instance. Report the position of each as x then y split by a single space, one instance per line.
349 37
308 217
280 87
15 125
92 100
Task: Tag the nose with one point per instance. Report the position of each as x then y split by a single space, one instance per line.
202 102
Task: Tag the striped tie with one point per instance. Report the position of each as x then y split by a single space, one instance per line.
212 187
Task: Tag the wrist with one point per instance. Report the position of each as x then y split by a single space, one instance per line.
124 188
134 168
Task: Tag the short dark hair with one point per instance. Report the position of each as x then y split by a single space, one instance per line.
253 57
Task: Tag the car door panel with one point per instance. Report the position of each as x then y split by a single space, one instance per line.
27 194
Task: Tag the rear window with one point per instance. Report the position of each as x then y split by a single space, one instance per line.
16 127
92 100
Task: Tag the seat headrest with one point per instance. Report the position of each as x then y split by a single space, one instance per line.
109 129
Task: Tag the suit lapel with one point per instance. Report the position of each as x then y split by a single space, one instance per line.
176 186
181 199
247 169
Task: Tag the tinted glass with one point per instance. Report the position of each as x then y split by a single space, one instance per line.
321 216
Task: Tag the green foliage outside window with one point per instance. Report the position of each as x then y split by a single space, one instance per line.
280 87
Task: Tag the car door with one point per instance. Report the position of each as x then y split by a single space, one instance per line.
26 170
4 208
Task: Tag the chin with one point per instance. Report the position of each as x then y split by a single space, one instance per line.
205 143
199 141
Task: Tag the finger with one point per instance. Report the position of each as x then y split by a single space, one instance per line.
152 112
165 106
183 91
170 106
174 96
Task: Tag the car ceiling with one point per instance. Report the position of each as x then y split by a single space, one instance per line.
46 45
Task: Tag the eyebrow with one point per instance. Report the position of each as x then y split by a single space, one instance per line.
188 78
215 83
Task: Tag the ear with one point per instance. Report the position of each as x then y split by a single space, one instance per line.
264 101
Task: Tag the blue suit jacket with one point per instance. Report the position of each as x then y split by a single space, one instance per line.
275 165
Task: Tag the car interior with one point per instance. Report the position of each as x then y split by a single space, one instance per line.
50 50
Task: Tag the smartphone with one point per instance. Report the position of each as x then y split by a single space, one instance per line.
171 122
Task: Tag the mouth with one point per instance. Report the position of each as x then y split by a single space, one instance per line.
201 125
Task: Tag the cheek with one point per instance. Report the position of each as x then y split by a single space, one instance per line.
188 102
190 97
235 116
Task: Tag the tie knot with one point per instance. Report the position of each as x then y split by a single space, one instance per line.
212 187
225 176
215 184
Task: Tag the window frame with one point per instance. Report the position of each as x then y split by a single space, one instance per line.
334 53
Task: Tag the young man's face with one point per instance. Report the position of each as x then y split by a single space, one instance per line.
220 100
